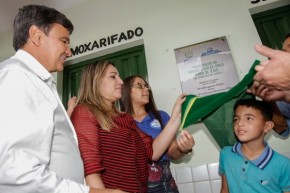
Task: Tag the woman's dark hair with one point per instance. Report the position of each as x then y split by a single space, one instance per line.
42 17
126 104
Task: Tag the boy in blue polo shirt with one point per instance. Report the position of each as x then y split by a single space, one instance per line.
251 165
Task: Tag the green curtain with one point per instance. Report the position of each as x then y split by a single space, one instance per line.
216 111
220 122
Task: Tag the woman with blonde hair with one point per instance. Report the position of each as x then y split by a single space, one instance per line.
114 150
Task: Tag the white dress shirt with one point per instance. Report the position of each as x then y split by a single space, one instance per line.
38 152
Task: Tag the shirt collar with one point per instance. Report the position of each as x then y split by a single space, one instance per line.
35 66
262 161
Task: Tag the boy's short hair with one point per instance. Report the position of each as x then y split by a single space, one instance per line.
262 106
286 37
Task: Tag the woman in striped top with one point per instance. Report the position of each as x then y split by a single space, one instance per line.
114 150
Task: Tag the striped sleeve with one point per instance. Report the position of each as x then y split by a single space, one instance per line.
88 137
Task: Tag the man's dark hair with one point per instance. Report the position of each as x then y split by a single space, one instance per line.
39 15
262 106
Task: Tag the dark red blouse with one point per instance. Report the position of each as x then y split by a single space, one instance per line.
120 155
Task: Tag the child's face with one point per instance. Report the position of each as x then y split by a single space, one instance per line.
249 124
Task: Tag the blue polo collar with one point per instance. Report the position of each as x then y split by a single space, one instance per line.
262 161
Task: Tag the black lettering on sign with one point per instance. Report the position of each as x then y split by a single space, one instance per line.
256 1
110 40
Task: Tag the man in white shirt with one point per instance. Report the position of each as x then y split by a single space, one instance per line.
38 150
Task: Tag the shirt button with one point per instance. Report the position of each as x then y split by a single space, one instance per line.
246 162
243 169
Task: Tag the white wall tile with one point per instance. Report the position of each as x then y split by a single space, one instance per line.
287 154
186 188
203 178
213 169
216 186
202 187
199 173
173 173
183 175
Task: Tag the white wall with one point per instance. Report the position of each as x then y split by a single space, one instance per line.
169 24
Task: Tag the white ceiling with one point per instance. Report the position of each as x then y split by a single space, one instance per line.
9 9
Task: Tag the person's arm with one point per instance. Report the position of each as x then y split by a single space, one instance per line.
284 108
182 146
87 129
71 105
97 186
94 190
222 172
280 123
163 140
224 186
95 181
26 129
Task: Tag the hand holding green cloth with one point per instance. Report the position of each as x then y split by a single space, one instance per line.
216 111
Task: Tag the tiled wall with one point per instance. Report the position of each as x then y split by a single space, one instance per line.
202 178
198 179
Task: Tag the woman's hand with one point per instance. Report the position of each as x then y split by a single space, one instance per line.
176 111
71 105
181 146
185 142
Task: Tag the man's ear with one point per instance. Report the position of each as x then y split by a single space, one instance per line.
268 126
35 35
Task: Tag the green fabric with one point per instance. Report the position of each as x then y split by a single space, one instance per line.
220 122
216 110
